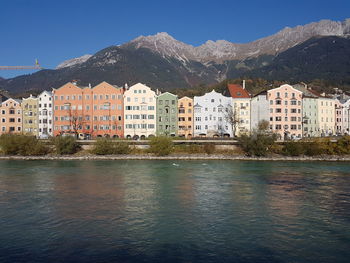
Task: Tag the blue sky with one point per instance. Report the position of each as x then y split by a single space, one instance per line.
54 31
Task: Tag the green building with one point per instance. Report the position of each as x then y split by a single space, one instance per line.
167 114
310 111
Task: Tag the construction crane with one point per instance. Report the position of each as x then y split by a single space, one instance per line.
36 66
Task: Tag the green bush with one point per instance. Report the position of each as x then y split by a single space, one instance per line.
209 148
161 146
293 148
257 144
313 148
66 145
105 146
19 144
342 146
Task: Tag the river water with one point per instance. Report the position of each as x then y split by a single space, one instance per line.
174 211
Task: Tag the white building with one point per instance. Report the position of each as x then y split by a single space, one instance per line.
139 112
210 111
45 114
259 110
342 116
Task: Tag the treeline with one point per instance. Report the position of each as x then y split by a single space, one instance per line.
256 85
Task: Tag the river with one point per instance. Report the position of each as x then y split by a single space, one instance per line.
174 211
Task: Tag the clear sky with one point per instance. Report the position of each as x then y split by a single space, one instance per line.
54 31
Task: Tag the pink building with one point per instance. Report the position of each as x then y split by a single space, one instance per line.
285 111
11 116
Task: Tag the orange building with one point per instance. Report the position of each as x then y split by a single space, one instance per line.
11 116
185 117
93 112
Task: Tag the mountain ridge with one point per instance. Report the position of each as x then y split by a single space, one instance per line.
163 62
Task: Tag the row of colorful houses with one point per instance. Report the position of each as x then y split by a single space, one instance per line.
140 112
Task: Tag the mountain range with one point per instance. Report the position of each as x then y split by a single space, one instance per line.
319 50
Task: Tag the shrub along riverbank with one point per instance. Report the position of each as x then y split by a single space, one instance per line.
258 144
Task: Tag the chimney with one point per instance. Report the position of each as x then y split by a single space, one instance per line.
89 85
126 87
244 84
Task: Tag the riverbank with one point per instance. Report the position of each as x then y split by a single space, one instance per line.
328 158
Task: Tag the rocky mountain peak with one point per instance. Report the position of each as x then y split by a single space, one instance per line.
74 61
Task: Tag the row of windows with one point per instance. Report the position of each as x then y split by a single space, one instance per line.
87 97
88 127
166 119
182 127
166 127
219 109
139 117
29 106
215 127
166 102
87 118
136 99
3 120
11 111
279 118
210 118
11 129
87 107
292 102
182 111
286 127
139 126
182 104
166 111
139 107
184 119
279 110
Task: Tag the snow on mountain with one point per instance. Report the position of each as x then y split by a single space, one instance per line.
222 50
165 45
73 61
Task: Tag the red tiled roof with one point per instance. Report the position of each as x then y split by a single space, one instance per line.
236 91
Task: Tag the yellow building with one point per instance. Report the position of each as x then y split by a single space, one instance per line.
326 116
30 116
185 117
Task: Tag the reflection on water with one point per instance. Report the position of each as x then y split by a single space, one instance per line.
161 211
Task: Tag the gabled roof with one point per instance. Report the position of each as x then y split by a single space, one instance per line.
237 92
15 100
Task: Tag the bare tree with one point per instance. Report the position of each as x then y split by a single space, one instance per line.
232 118
76 120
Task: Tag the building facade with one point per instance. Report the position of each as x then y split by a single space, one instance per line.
107 114
241 100
326 116
310 116
90 112
45 114
167 114
210 115
185 117
342 115
11 116
259 110
30 116
72 110
140 113
285 106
